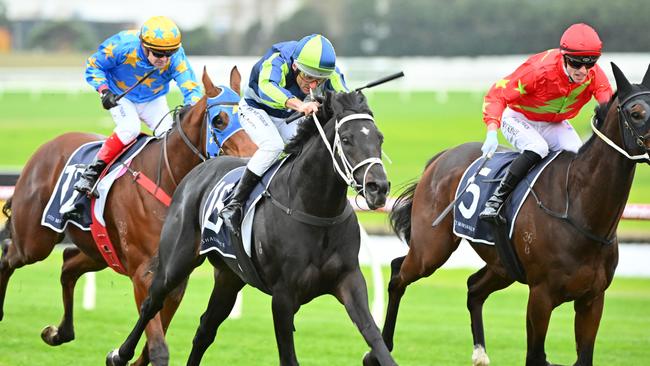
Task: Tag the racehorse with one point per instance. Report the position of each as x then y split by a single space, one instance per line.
134 217
565 238
304 250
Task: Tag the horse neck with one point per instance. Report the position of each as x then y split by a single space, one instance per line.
181 158
315 186
603 178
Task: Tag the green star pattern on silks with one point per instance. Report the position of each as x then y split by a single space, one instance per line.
559 105
521 87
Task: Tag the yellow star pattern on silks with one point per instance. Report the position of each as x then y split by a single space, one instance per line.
182 67
501 83
147 81
132 58
99 80
122 85
92 62
158 89
132 32
196 99
484 107
108 51
189 85
521 88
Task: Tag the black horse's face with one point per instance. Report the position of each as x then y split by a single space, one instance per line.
634 110
360 149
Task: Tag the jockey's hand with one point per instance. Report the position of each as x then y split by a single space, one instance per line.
308 108
108 99
491 143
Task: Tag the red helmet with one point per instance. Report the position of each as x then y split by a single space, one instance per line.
580 40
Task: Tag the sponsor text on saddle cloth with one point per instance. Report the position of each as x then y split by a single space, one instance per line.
215 235
466 221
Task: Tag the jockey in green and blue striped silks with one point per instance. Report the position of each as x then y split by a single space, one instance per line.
153 53
277 88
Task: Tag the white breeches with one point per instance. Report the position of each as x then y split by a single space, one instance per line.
127 116
537 136
269 133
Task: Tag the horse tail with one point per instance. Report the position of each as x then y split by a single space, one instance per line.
5 233
400 215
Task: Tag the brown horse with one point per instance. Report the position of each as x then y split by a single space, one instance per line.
134 228
569 257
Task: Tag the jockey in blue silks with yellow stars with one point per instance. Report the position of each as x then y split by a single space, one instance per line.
278 85
154 53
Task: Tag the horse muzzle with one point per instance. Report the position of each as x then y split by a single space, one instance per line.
375 193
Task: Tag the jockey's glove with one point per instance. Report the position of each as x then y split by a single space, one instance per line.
108 99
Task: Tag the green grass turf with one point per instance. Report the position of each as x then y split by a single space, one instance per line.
416 126
433 324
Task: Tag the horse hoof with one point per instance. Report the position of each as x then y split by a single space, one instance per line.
113 359
50 335
370 360
480 357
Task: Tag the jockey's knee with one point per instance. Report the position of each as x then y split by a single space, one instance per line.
127 136
539 149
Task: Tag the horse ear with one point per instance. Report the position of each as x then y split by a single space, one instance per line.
207 83
622 85
334 103
646 78
235 80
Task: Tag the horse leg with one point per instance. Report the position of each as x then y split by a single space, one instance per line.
428 251
37 245
171 272
588 314
353 294
538 316
75 264
283 316
479 286
224 294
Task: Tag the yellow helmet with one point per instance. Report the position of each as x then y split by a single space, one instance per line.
160 33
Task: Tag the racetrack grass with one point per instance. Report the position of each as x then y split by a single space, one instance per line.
433 325
416 126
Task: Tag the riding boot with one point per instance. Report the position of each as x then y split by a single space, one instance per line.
89 177
232 213
516 172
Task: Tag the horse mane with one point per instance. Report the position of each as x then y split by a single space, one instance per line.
332 104
600 114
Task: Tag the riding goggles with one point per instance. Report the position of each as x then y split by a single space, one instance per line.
578 62
162 53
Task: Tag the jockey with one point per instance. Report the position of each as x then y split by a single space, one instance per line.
279 83
121 61
532 106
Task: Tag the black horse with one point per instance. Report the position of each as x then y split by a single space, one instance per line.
564 236
298 256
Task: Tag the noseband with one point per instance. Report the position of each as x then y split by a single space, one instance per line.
345 169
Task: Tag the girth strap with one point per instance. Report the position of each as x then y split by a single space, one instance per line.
311 219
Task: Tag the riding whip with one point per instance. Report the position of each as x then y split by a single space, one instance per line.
396 75
469 182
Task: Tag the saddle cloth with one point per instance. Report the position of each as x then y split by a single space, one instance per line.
215 236
64 194
472 201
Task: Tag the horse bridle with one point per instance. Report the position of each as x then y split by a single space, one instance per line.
625 126
346 171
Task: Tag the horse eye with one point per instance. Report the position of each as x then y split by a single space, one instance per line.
218 122
345 140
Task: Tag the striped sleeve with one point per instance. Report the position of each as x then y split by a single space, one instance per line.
271 81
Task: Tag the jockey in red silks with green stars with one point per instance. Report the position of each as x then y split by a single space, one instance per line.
532 106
